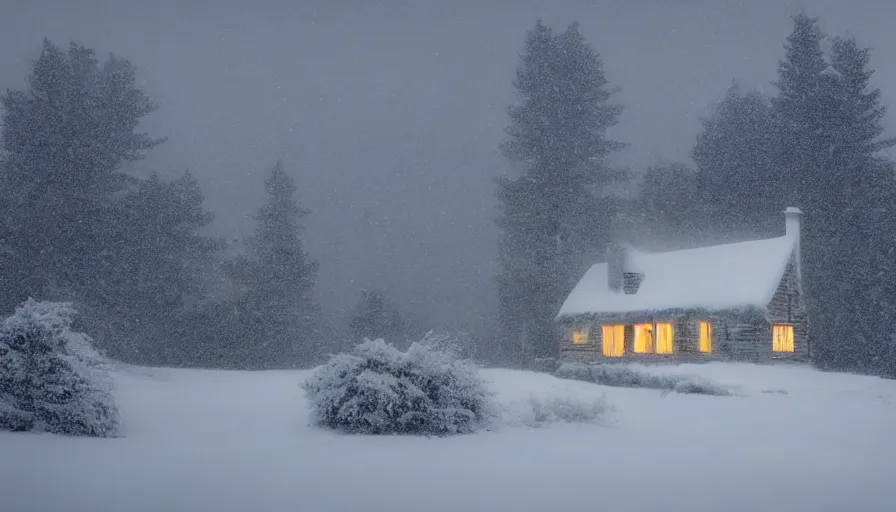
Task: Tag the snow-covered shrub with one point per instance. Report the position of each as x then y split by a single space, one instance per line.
540 411
378 389
51 378
627 377
565 409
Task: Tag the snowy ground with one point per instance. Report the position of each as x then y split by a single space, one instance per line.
239 441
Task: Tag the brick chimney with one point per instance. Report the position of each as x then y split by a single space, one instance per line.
792 230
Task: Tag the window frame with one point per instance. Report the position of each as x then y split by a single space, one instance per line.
787 345
654 329
618 344
667 327
575 333
639 327
700 338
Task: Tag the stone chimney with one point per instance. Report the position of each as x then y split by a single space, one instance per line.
792 230
615 265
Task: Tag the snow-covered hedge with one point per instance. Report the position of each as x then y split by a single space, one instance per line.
51 379
627 377
378 389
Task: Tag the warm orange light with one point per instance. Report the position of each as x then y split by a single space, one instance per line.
664 338
644 338
579 337
782 338
705 337
613 340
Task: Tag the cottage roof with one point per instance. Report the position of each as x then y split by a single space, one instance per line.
718 277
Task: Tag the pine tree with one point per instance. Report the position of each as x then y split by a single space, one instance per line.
804 108
155 264
64 139
375 318
665 204
737 190
830 165
276 280
548 220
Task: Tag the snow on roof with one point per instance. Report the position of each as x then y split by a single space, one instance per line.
729 276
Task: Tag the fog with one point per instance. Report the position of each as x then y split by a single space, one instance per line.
389 113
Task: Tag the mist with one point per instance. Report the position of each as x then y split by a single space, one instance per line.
389 114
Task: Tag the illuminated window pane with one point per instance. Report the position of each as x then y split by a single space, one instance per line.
580 337
705 337
782 338
613 340
644 338
663 338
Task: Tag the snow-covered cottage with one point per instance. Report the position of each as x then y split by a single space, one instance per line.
739 301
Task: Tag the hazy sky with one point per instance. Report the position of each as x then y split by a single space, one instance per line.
388 113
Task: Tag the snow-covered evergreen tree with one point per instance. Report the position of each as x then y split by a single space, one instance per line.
75 225
831 166
816 145
64 139
155 261
374 317
665 202
738 190
276 278
51 379
551 215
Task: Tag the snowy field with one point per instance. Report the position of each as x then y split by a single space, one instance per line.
240 441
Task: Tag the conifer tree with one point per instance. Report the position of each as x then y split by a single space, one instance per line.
276 280
155 263
831 166
737 192
665 203
64 139
374 317
550 215
817 145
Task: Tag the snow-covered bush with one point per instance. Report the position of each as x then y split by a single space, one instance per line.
51 378
378 389
540 411
565 409
627 377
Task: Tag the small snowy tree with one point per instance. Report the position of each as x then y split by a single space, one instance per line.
51 379
276 278
374 317
378 389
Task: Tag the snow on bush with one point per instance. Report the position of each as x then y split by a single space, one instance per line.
51 378
538 412
378 389
623 376
564 409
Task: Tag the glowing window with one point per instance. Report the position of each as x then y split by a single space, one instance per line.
705 344
613 340
663 338
579 337
782 338
644 338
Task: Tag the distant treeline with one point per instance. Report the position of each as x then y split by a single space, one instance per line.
152 288
130 253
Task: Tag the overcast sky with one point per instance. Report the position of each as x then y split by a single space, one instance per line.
388 113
